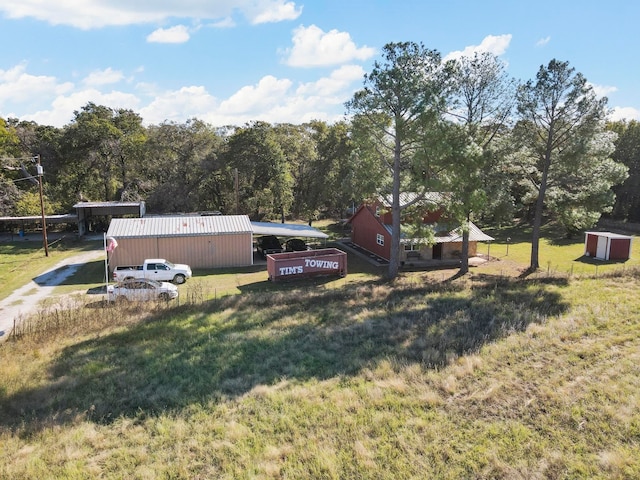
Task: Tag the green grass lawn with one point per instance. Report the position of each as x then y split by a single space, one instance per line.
429 377
558 255
23 260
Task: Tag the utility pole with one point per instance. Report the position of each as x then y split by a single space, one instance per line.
45 243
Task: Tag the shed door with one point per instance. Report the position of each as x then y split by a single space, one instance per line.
601 253
592 245
620 248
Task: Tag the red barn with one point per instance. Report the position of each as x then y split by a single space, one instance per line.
371 230
607 246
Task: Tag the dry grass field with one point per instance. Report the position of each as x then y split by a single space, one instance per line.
487 376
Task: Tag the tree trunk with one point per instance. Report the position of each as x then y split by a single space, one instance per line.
537 219
394 258
464 255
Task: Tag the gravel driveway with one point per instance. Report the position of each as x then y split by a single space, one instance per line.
26 300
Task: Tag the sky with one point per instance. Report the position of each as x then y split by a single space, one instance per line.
229 62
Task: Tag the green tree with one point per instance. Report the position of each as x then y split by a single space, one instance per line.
264 180
9 150
361 173
482 101
627 152
29 204
9 141
561 145
335 177
182 170
299 148
101 147
401 90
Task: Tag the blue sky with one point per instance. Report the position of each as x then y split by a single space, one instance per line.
232 61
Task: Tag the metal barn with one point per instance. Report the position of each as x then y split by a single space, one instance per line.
607 246
199 241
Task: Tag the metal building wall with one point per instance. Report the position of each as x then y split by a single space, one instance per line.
202 251
133 251
210 251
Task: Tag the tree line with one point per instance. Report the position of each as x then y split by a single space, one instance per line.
498 147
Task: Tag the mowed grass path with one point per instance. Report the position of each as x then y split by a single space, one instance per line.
432 377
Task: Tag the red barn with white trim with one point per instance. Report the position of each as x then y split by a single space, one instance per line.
607 246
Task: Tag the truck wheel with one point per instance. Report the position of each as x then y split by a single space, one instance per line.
179 279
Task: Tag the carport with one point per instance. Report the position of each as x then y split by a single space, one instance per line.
287 230
95 216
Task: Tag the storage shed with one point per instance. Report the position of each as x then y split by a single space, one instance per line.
199 241
607 246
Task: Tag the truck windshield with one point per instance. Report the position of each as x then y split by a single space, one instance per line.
169 264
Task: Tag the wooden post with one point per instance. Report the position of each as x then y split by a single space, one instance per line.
44 221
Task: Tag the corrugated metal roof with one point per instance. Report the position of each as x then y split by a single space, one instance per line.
455 235
475 235
106 204
428 198
49 218
287 230
179 226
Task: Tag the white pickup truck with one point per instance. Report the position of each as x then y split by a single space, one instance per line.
155 269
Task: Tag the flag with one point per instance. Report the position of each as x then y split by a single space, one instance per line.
112 244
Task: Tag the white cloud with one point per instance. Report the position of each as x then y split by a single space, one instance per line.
336 83
624 113
179 105
103 77
313 47
177 34
543 41
266 93
226 22
495 44
274 11
86 14
48 101
603 90
16 85
63 106
271 99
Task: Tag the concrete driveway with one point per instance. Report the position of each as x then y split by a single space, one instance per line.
26 300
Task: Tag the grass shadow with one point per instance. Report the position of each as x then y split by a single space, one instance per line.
184 355
594 261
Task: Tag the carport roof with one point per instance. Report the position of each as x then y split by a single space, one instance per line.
287 230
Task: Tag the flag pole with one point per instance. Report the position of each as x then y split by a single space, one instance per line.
106 265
